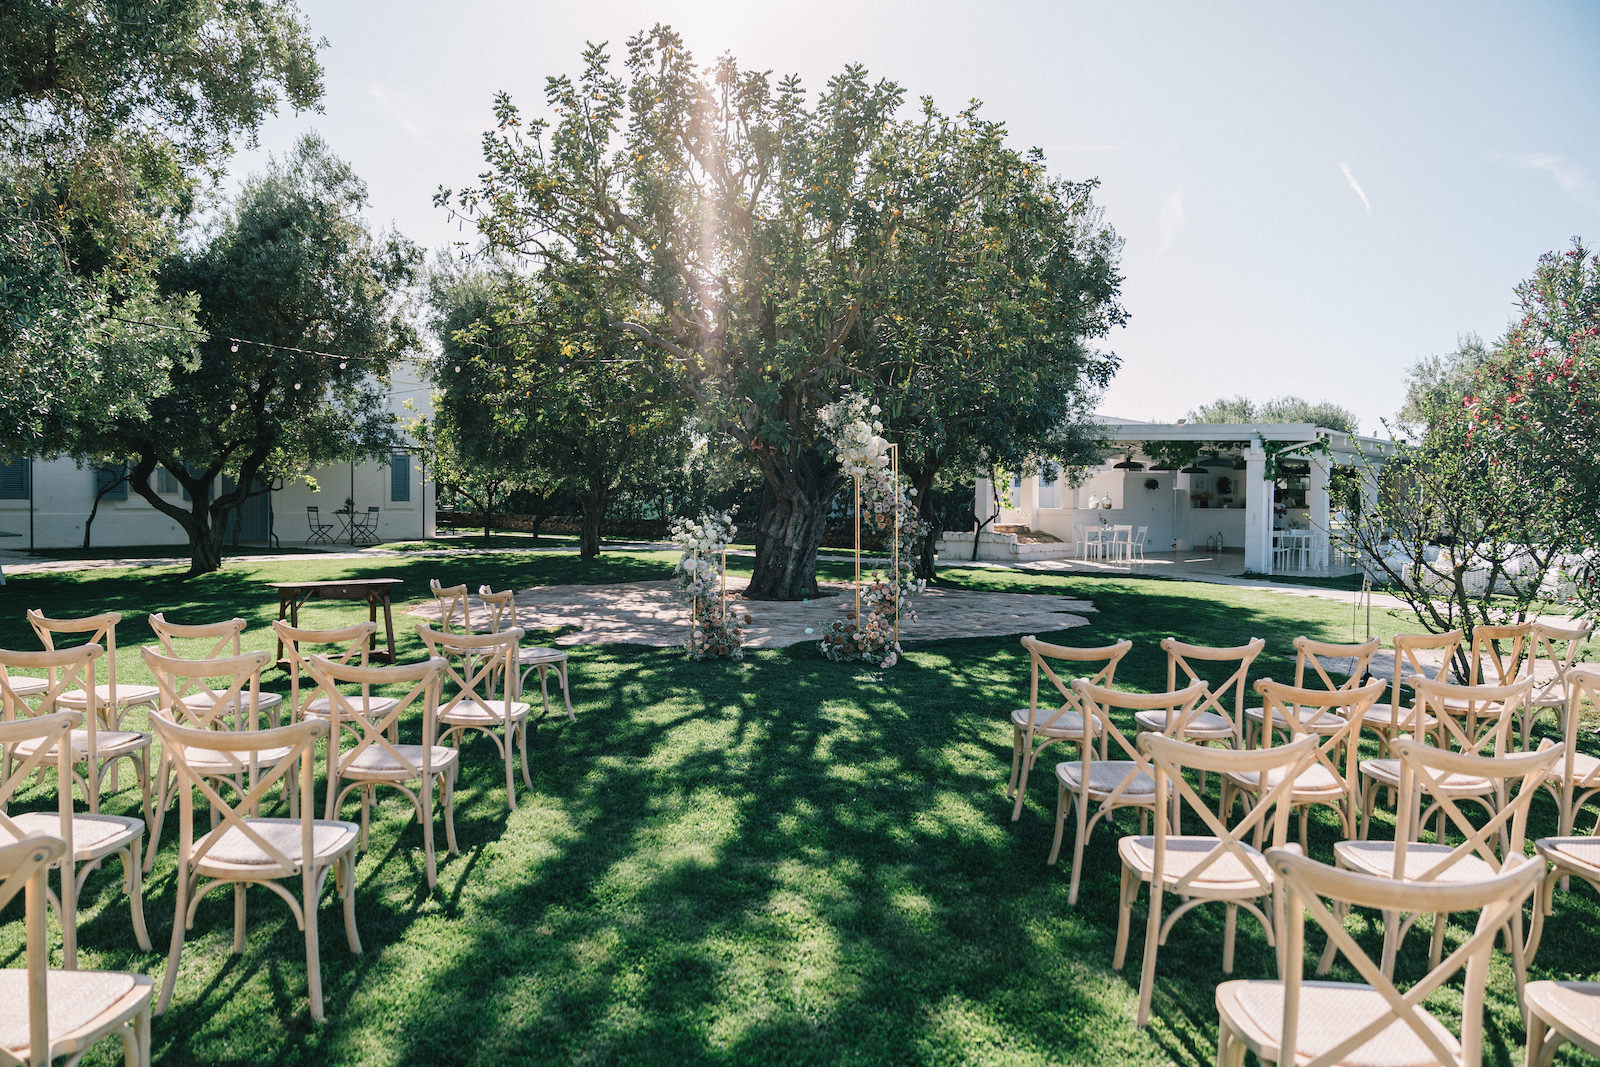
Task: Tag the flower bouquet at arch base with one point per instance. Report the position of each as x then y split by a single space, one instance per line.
716 630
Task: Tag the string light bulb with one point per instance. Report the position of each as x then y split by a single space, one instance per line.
297 386
235 346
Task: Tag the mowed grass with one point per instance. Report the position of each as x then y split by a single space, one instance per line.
780 860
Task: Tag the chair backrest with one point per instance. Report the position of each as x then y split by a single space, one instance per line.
239 695
66 670
1140 534
223 637
1559 647
24 867
1099 702
1308 887
1583 683
1171 756
314 514
453 607
1499 653
1302 708
1095 665
340 645
372 726
501 608
1425 772
1473 719
473 662
47 732
1225 697
1325 659
97 630
252 750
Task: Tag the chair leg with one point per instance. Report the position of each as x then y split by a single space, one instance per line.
308 910
511 782
134 884
566 690
522 751
238 917
1230 931
1077 849
176 951
449 788
1022 783
69 912
425 811
1130 890
1061 818
1152 942
351 935
1016 761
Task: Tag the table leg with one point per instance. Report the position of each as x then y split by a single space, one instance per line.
388 624
283 608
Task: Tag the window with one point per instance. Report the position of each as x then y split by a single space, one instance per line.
115 478
16 482
166 484
400 478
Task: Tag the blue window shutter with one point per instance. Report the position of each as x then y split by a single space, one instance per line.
15 477
400 478
104 476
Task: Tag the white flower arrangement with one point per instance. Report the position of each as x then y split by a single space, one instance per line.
713 633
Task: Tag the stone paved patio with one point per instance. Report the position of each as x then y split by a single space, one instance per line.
649 613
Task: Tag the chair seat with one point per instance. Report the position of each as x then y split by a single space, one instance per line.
483 713
1206 726
1315 780
93 836
377 762
375 707
1322 723
1585 770
537 654
235 851
1387 772
73 699
1066 724
214 763
1382 717
1377 858
82 1004
26 687
1228 875
1329 1013
1106 775
1575 1006
206 701
108 743
1581 853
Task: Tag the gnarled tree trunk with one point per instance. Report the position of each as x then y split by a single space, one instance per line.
594 510
794 511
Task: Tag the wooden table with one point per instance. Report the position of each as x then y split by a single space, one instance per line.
374 591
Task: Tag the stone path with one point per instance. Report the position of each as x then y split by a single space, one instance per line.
649 613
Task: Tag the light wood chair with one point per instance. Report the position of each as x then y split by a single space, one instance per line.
49 1013
1331 778
1323 665
1470 719
473 664
209 640
1388 719
112 701
376 759
341 645
1498 656
1214 721
244 848
1428 775
1208 867
1559 1012
1110 784
502 611
1038 726
1559 647
37 738
1576 780
455 609
1313 1024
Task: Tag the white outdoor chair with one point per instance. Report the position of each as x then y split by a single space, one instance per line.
1036 727
1136 552
1121 547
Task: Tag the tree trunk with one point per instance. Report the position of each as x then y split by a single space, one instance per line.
204 529
488 513
794 511
594 510
928 511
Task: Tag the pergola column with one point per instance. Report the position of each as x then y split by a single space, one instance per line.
1317 506
1258 501
983 499
1027 500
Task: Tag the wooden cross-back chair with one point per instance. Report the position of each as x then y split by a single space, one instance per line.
1110 784
1471 719
1330 779
474 665
1558 646
1498 655
455 609
91 1005
1429 776
1319 665
501 608
377 758
1038 726
244 848
1215 865
1319 1024
208 641
1219 718
344 645
112 700
1574 781
1389 718
39 743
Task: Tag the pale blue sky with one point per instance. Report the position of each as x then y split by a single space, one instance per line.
1313 197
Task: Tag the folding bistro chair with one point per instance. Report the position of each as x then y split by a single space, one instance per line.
321 532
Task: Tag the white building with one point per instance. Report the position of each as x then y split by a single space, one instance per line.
1221 500
46 503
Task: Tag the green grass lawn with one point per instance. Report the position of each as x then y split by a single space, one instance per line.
780 860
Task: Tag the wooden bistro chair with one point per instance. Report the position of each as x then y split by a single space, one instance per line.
344 645
1498 656
1388 719
1559 1012
1110 784
1557 646
244 848
455 610
1574 781
501 609
112 701
414 769
1037 726
1428 776
1322 665
34 744
1220 717
1292 1021
1214 865
473 665
210 640
48 1013
1470 719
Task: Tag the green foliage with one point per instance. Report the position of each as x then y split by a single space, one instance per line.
776 249
1436 382
1279 409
